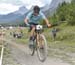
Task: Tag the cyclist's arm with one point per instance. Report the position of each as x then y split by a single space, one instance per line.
46 20
26 21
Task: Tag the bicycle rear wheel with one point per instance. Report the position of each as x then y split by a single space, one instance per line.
42 48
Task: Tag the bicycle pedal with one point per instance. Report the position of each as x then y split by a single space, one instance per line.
30 46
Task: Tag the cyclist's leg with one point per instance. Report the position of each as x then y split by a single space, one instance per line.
31 36
32 32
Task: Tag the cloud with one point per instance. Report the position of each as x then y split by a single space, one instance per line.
15 2
40 3
29 3
7 8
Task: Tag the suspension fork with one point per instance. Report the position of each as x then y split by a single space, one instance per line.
37 39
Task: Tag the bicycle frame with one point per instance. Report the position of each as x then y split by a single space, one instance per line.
39 44
37 33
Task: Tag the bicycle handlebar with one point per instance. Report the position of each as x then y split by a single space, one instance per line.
44 26
52 25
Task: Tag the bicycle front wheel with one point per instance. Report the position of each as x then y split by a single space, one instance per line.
42 47
32 49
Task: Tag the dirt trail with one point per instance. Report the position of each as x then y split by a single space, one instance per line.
21 55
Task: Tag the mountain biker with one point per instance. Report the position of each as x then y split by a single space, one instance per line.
33 18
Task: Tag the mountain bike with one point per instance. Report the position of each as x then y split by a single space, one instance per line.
39 44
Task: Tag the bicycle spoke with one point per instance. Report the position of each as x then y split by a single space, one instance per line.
42 51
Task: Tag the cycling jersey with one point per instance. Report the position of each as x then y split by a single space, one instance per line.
35 19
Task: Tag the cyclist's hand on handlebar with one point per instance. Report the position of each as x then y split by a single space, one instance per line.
28 25
49 25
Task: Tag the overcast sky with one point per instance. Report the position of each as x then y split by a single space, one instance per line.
7 6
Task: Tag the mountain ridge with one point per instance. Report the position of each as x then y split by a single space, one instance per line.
18 16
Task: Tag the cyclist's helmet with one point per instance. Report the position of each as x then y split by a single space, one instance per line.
36 9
